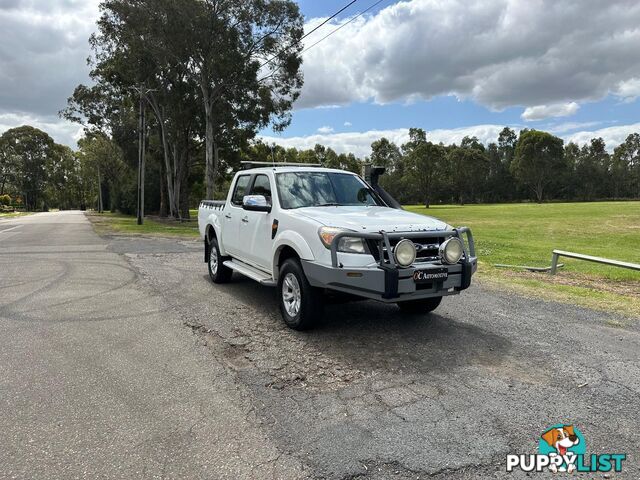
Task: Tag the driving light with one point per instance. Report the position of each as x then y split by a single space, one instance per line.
346 244
405 253
451 251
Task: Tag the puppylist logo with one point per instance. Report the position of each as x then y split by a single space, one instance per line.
561 448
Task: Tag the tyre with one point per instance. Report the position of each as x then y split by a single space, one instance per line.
424 305
301 305
217 271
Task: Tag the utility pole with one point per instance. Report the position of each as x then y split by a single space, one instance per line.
100 206
141 155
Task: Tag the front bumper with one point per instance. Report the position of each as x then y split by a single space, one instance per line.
388 282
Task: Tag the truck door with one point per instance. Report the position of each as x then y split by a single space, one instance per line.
255 227
233 214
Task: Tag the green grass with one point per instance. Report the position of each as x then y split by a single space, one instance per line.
115 223
14 214
525 234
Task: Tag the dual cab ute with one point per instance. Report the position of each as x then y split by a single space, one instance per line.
307 230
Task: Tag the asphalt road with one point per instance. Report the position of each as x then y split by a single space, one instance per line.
120 359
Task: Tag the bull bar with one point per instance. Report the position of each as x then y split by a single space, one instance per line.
384 240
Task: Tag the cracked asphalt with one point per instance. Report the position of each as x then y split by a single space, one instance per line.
120 359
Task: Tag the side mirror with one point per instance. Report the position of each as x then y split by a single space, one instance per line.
256 203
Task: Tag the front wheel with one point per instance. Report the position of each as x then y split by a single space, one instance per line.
424 305
301 305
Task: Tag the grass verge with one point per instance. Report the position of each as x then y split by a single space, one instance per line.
117 224
14 214
525 234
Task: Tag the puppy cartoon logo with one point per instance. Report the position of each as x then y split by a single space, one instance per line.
561 448
563 439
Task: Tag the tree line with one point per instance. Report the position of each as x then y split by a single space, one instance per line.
532 165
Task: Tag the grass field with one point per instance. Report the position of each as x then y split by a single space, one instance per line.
525 234
116 223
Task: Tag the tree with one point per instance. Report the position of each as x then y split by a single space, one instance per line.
8 164
101 163
423 162
229 45
626 164
385 154
538 160
590 168
32 150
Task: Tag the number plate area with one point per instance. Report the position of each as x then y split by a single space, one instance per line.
431 275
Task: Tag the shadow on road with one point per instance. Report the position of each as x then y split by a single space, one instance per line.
370 336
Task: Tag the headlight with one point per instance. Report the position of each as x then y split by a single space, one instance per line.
346 244
451 251
405 253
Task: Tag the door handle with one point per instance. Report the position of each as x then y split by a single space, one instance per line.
245 220
228 215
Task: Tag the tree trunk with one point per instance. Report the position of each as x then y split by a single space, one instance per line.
163 191
210 161
177 179
184 187
157 111
539 192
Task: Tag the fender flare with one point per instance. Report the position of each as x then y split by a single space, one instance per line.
292 240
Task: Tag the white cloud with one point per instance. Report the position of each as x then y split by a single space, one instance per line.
43 51
61 131
540 112
568 126
612 136
359 143
628 90
500 53
348 124
325 129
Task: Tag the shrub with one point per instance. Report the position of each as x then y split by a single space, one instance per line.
5 200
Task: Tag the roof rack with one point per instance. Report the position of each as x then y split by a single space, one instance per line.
248 164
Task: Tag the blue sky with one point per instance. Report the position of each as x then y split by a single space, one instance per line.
599 106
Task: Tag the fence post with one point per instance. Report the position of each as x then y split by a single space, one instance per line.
554 264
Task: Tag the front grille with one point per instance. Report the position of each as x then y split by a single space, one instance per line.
427 248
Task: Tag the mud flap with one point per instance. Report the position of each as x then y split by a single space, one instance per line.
207 251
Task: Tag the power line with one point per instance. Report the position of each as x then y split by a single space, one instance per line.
342 26
314 29
325 37
328 19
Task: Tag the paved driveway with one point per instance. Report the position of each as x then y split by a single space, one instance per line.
120 359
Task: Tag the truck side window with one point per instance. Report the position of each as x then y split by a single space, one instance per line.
261 186
241 190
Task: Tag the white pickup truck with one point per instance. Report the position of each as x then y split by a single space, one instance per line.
306 230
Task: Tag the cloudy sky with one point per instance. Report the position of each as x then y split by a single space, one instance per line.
454 68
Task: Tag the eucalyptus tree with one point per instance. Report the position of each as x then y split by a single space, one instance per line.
424 164
538 161
31 151
245 55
